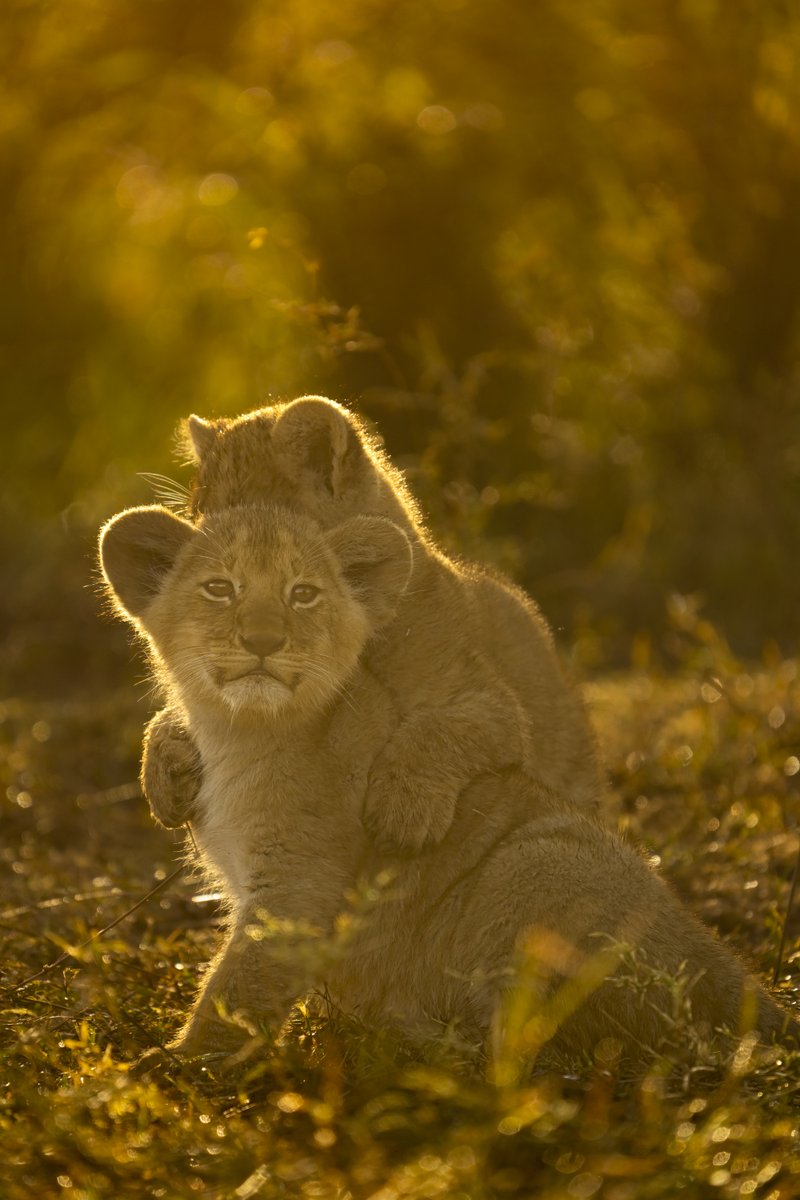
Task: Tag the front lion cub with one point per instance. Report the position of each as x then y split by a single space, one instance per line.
469 661
259 622
256 621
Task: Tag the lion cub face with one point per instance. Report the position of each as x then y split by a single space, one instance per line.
256 611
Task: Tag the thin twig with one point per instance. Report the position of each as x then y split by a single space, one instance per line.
787 915
57 901
73 951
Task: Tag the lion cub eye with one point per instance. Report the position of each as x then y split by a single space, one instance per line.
303 595
218 589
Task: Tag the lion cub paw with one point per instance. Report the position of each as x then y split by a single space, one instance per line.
163 1063
406 809
171 771
156 1062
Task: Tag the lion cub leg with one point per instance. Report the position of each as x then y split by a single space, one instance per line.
603 950
415 781
171 770
244 986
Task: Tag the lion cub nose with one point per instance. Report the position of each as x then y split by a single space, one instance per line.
262 643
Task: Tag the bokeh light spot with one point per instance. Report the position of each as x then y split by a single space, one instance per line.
436 119
217 189
486 117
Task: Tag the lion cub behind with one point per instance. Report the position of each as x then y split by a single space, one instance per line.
259 622
469 661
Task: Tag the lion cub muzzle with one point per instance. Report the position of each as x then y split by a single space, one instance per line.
261 630
262 642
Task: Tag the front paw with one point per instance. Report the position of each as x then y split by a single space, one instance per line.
173 804
171 774
211 1037
165 1062
407 809
155 1063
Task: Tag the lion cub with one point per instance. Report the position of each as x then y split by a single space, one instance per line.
259 622
256 621
469 661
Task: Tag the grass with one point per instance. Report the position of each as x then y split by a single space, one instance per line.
704 761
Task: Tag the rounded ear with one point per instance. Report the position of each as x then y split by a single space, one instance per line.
138 549
201 436
376 559
317 435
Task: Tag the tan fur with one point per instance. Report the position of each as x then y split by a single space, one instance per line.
469 660
522 898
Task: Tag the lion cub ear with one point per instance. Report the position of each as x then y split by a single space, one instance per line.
316 435
138 549
376 560
199 436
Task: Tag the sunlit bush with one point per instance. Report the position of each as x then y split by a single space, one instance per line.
548 247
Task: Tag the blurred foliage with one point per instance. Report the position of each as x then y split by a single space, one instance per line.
706 771
550 248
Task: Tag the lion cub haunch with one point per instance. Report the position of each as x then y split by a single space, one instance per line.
468 659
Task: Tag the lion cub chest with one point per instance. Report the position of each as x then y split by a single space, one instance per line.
275 819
